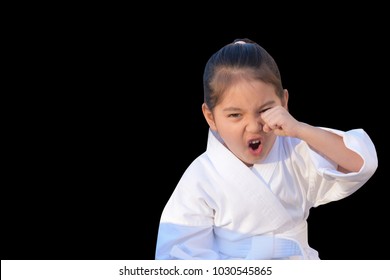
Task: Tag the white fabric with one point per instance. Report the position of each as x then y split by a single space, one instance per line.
222 209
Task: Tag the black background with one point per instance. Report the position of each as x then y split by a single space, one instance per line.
102 138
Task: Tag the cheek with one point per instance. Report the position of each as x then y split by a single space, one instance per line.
218 123
269 141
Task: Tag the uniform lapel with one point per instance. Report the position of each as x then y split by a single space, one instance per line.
244 190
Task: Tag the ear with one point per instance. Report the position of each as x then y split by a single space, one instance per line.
208 115
285 98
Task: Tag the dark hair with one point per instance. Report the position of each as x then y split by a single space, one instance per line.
241 59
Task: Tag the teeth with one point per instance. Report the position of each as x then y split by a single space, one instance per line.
255 141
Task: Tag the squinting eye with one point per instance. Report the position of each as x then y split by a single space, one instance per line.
234 115
262 111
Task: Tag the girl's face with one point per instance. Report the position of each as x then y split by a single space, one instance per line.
237 119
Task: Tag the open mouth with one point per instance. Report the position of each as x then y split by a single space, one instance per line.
254 144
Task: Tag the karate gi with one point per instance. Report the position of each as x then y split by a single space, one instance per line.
223 209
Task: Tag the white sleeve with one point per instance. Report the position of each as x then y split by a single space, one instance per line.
179 242
328 184
186 224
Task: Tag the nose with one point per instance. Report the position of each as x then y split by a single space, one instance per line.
255 125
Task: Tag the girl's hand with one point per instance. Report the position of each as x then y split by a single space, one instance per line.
280 121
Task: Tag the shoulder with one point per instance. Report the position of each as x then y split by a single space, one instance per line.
199 169
290 146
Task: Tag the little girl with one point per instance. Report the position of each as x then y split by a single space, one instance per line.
248 196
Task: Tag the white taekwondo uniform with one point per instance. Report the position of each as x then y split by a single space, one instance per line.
222 209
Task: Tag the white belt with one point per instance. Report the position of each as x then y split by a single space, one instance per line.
260 248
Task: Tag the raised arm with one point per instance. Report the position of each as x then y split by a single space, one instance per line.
326 143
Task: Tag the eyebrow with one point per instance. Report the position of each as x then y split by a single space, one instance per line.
271 102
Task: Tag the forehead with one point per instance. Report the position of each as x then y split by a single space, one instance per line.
249 91
225 77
